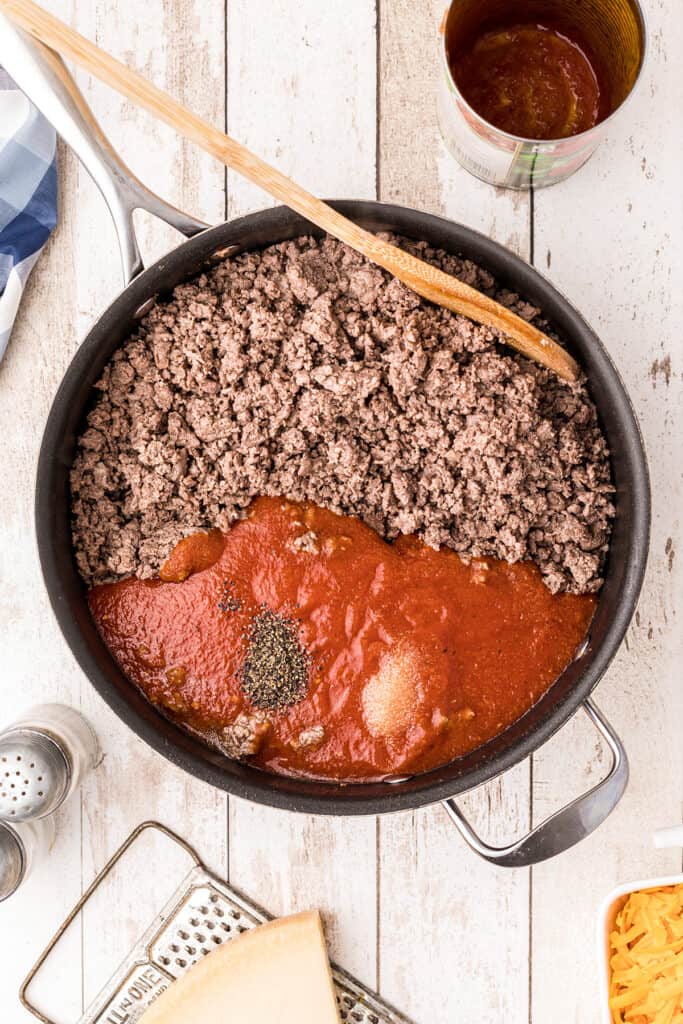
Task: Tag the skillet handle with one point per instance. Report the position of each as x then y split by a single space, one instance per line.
42 75
567 826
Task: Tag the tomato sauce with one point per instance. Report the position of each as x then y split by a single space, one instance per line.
414 657
531 80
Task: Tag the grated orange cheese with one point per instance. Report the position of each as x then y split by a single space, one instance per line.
646 958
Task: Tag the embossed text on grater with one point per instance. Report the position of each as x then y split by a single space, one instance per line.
34 774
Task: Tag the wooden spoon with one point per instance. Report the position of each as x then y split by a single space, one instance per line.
429 282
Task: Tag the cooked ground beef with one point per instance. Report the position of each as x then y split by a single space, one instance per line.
304 371
245 736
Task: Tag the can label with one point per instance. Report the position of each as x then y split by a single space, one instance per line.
498 158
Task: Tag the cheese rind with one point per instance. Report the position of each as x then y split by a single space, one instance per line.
275 972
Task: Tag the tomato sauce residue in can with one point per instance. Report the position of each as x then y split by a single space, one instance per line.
528 87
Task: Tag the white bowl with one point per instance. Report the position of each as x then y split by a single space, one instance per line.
608 913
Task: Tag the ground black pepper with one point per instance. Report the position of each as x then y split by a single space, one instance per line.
276 667
229 602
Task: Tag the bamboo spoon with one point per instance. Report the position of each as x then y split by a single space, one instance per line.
432 284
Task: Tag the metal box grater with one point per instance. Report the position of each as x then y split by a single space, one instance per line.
203 913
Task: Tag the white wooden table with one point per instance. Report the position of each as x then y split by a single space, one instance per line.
340 95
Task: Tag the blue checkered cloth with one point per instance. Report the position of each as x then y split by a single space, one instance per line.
28 196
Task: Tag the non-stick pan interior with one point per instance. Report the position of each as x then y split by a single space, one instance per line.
617 600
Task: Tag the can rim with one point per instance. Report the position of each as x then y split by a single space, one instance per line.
523 140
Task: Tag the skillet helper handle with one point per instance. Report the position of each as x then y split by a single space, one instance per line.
43 77
567 826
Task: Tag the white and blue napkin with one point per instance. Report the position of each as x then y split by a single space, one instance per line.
28 196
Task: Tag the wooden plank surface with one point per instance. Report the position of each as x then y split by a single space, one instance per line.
79 275
611 239
468 921
325 139
146 785
341 97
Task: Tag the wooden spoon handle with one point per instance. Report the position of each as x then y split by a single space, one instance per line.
429 282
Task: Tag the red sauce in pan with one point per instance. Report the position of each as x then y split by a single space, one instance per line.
414 657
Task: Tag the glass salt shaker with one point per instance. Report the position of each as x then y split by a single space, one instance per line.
43 758
22 845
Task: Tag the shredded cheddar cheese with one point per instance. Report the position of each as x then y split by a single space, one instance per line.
646 958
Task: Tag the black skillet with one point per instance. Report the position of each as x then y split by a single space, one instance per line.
45 79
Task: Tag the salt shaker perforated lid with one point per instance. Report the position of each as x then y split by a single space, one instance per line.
34 775
43 758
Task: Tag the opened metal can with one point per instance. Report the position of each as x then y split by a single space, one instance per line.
616 33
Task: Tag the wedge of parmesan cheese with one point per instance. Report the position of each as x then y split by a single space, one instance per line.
276 972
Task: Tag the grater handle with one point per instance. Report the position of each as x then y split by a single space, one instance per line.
567 826
43 76
108 867
357 1002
